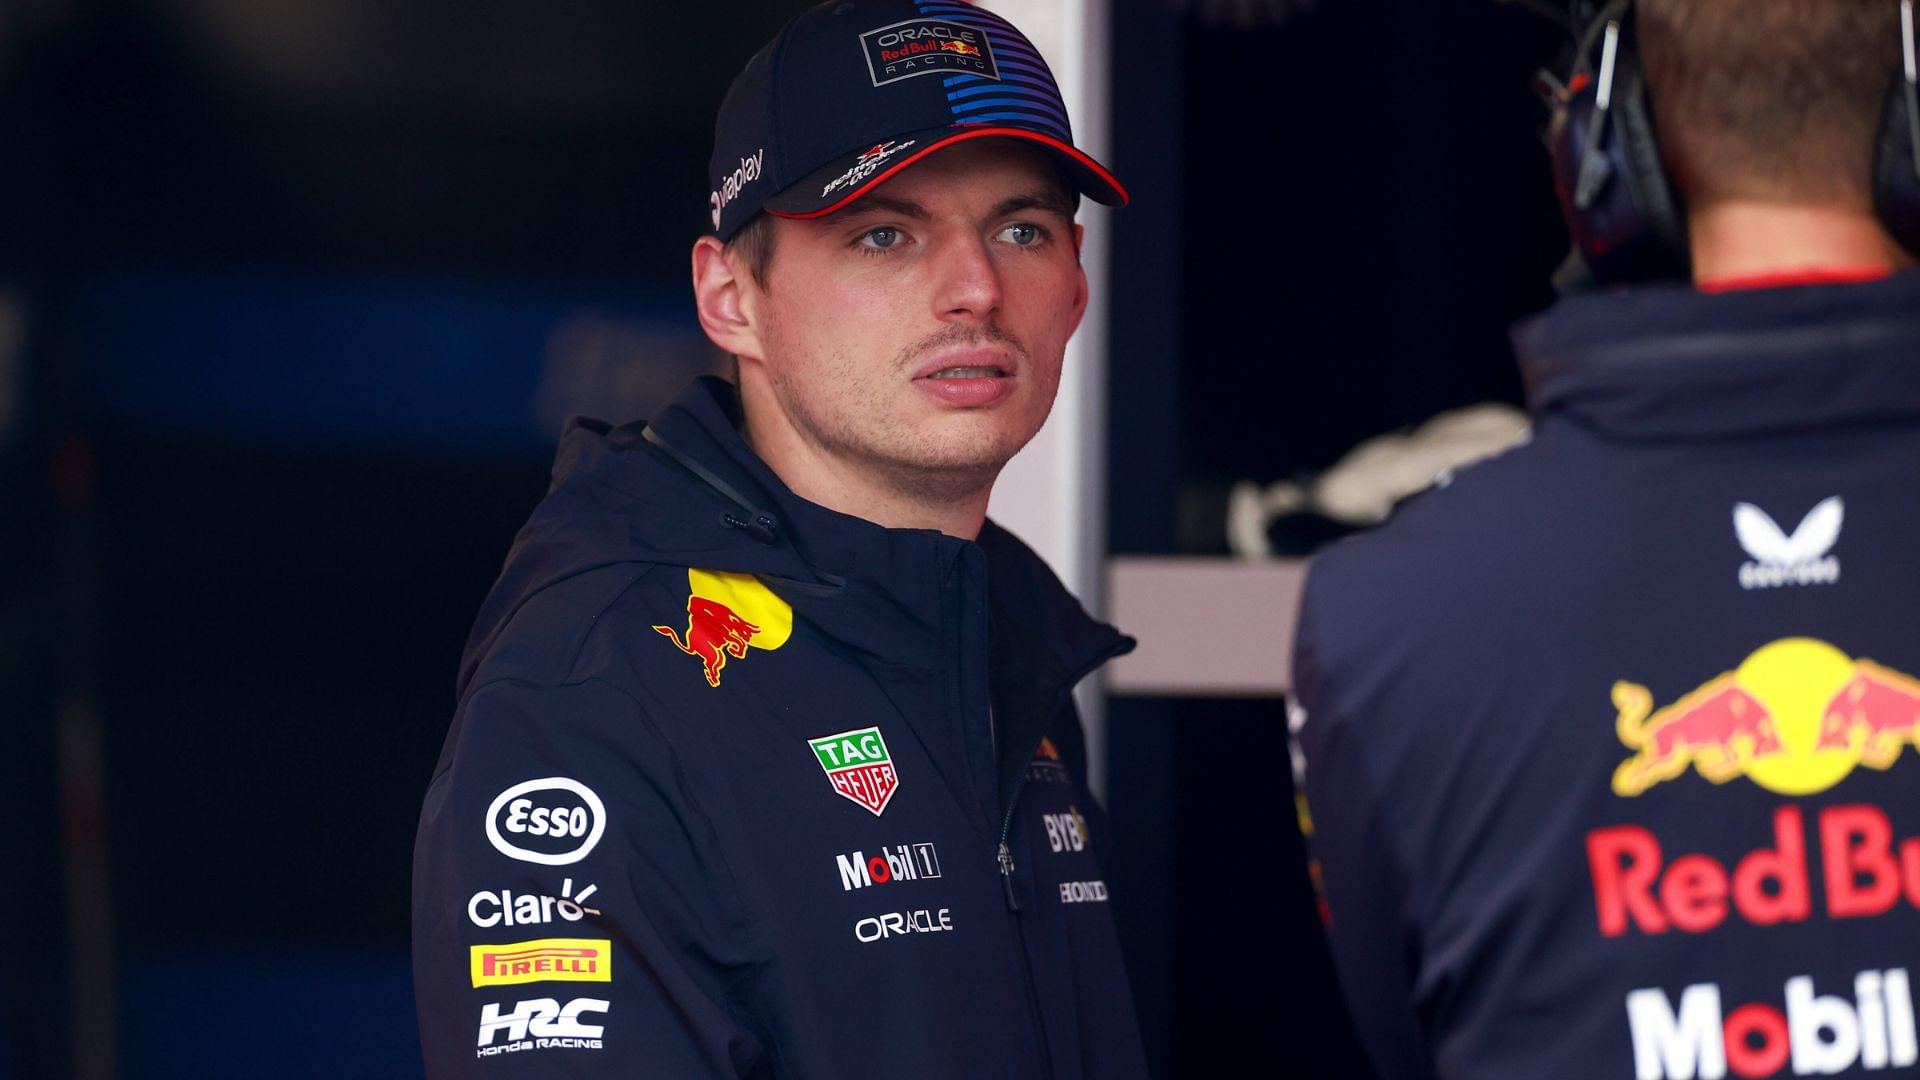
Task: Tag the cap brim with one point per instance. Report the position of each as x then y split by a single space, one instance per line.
809 198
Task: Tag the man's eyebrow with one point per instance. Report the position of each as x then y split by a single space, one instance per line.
883 204
1051 202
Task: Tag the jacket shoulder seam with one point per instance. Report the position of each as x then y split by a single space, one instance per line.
573 675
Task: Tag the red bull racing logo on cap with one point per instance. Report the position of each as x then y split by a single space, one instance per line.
859 767
726 615
1796 718
927 47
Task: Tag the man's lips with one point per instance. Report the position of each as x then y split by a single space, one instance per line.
968 378
975 362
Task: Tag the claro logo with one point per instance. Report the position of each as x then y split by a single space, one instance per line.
552 821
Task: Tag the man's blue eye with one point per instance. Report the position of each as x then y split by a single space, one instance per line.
1024 234
882 238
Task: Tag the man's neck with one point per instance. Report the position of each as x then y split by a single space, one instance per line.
1743 239
857 489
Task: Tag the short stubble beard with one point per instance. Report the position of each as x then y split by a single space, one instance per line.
909 463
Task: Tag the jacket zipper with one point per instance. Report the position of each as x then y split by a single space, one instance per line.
1016 920
1005 856
1013 799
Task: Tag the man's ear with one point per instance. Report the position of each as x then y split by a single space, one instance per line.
1080 295
727 298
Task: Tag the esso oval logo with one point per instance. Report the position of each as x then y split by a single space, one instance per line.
553 821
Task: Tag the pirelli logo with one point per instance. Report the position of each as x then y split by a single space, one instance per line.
543 960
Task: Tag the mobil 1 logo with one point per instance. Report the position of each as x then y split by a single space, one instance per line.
552 821
908 862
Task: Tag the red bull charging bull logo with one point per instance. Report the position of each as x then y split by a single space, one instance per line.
1796 718
726 615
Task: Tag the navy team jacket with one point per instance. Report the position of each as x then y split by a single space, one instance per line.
722 796
1610 743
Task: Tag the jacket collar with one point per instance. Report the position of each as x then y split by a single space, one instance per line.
845 558
1671 362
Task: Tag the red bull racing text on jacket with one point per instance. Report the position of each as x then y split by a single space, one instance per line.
1609 773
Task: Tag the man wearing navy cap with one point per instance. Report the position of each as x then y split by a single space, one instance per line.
765 761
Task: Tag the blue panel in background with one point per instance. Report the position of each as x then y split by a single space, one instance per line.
248 1018
281 356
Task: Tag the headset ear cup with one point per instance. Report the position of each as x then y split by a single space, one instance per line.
1629 228
1896 193
1653 194
1566 145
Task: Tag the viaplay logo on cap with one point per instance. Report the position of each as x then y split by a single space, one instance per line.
730 184
927 47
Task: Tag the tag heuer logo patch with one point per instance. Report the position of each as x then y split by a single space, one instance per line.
859 766
927 47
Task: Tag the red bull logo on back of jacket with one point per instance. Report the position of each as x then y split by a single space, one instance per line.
1796 717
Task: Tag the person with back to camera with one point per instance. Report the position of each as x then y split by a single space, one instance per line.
765 761
1610 746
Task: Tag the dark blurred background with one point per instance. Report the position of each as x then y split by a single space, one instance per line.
294 297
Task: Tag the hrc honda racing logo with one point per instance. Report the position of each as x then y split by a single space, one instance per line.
1815 1035
541 1024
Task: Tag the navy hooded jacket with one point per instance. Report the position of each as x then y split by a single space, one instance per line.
742 787
1610 743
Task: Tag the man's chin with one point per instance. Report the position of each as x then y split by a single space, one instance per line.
968 444
952 471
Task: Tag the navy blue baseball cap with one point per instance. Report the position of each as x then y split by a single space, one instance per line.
852 91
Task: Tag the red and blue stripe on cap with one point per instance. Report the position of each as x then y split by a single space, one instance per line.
1025 93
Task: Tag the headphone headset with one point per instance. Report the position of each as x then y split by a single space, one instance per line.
1625 219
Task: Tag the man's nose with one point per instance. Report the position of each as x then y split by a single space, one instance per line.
969 285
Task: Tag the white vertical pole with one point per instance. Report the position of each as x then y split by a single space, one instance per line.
1053 495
